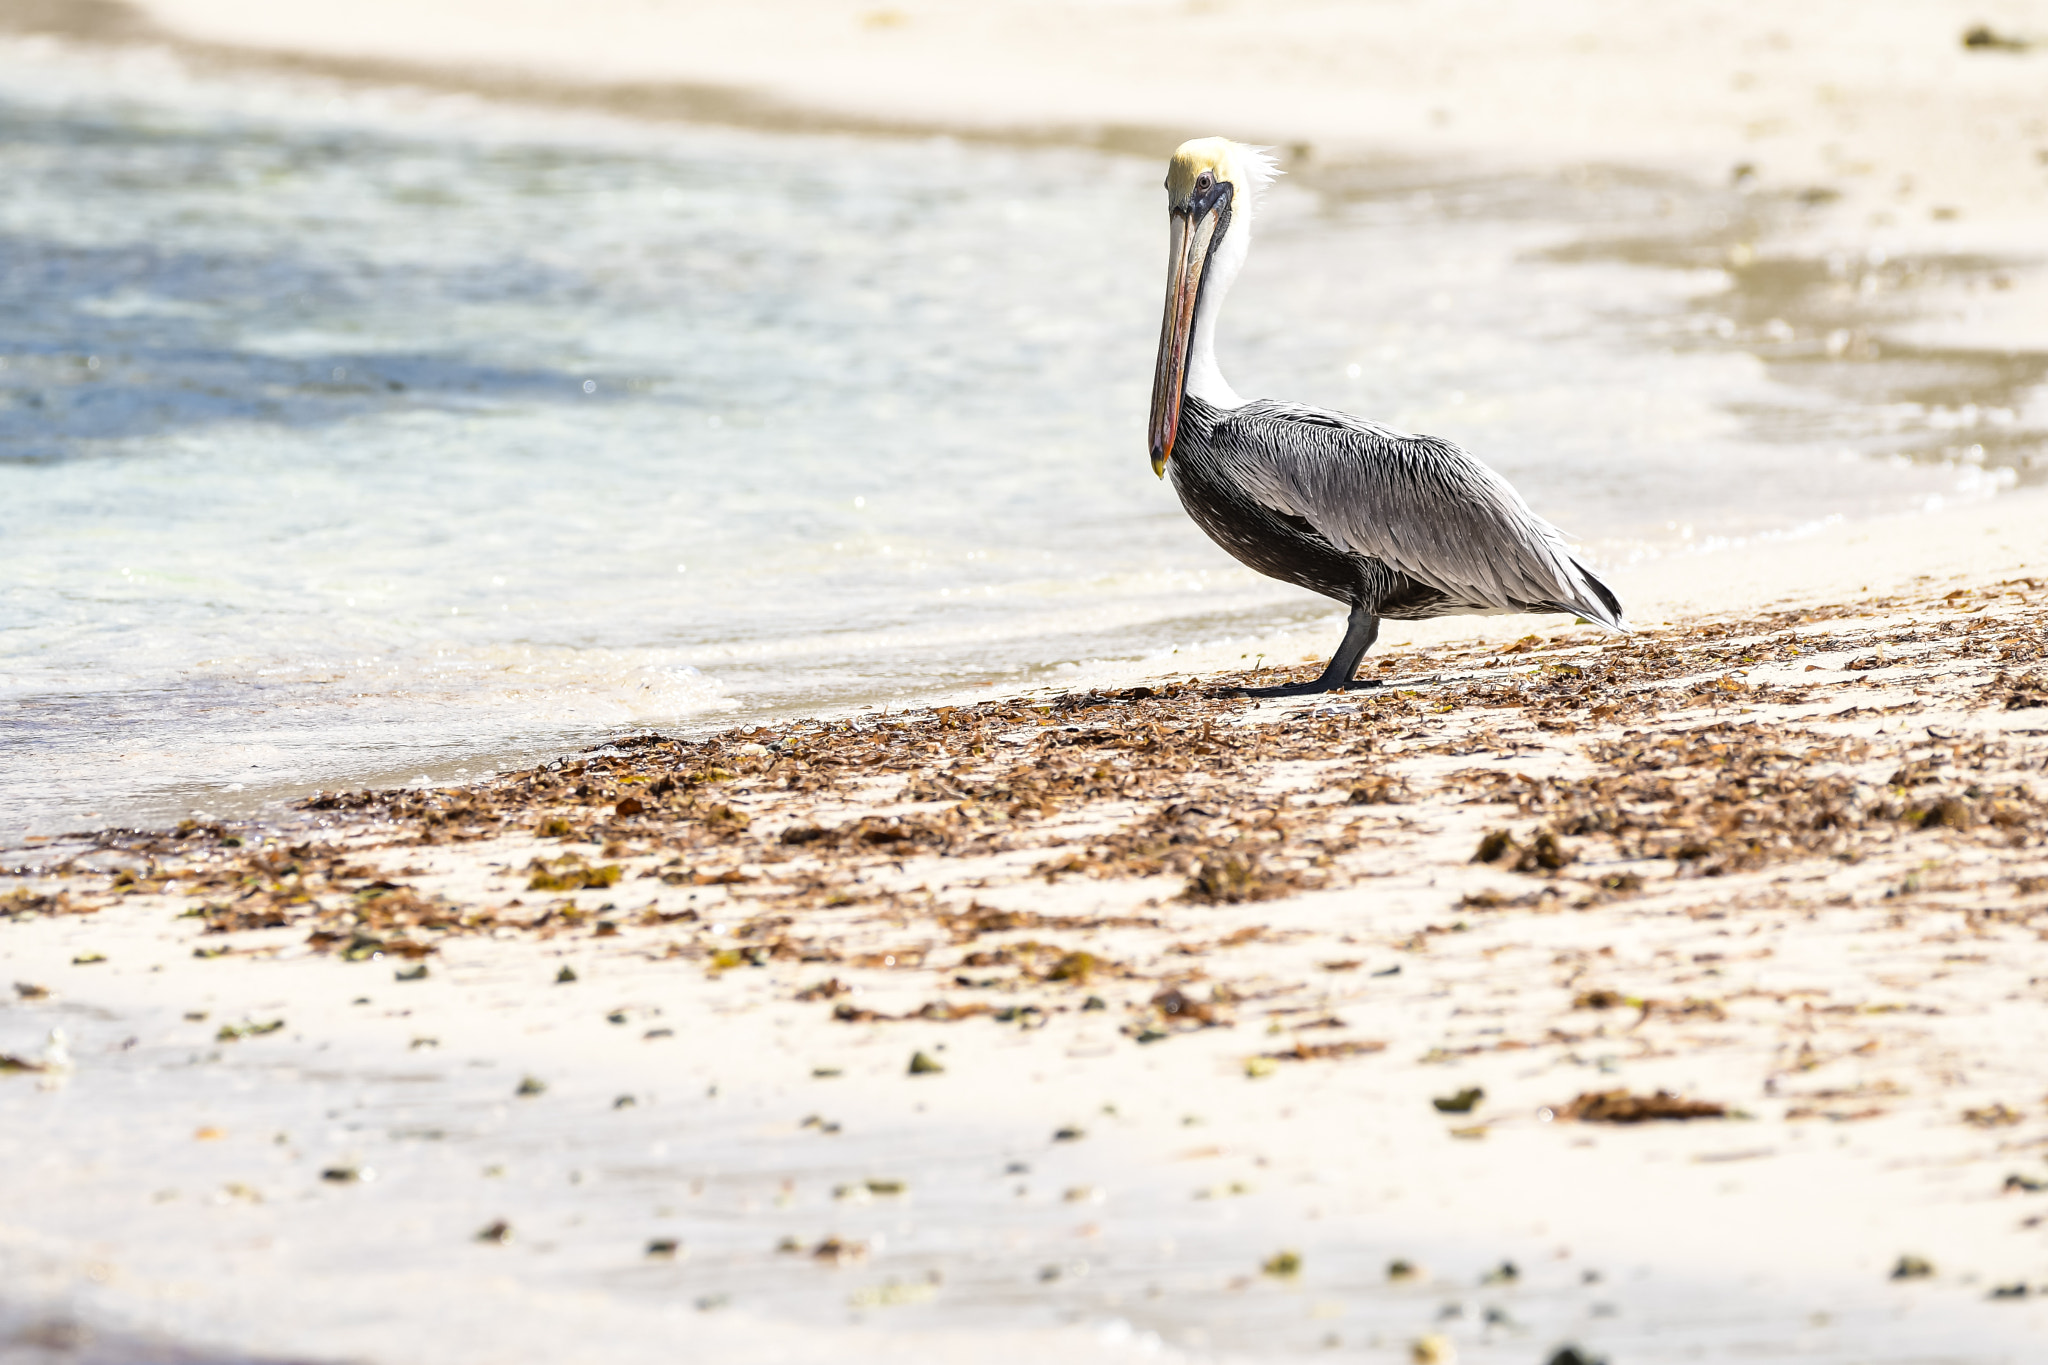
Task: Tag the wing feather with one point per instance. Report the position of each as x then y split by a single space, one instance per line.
1421 505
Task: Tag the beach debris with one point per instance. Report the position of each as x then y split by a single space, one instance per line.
1433 1349
566 975
2023 1183
1236 878
247 1029
1999 1115
1069 1133
497 1232
664 1249
1984 38
1692 1007
1602 999
358 946
570 873
22 903
1460 1103
826 1073
1179 1008
1256 1068
347 1175
29 990
829 989
208 1133
1543 852
1912 1268
54 1063
1323 1052
88 959
416 972
2025 692
1400 1270
838 1251
529 1086
624 1102
1075 967
1282 1265
1950 812
1573 1355
1084 1194
1378 790
1507 1272
923 1065
1620 1106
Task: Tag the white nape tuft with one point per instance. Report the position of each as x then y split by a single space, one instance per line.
1259 167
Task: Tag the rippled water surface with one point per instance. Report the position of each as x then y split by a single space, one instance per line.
347 439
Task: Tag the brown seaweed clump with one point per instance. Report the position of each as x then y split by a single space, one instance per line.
1619 1106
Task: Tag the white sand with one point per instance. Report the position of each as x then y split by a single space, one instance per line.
173 1182
1881 103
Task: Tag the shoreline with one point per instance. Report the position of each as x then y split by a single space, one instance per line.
1787 866
223 36
2002 535
1909 135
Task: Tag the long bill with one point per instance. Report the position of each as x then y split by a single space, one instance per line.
1187 255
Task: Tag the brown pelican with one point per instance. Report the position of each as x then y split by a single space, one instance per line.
1389 524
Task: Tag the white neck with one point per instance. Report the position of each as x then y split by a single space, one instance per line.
1205 379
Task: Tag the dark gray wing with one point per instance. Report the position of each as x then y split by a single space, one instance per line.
1422 505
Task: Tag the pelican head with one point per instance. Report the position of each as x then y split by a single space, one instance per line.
1211 186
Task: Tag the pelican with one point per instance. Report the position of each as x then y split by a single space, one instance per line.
1389 524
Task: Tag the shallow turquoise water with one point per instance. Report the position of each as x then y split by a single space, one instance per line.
345 439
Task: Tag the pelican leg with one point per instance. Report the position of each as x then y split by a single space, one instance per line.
1359 633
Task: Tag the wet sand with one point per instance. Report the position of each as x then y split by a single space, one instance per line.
1695 975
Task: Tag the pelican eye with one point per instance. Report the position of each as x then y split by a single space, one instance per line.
1204 181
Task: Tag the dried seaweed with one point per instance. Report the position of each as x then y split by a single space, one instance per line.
1619 1106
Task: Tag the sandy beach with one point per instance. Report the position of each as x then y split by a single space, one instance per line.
1665 994
1665 997
1890 109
